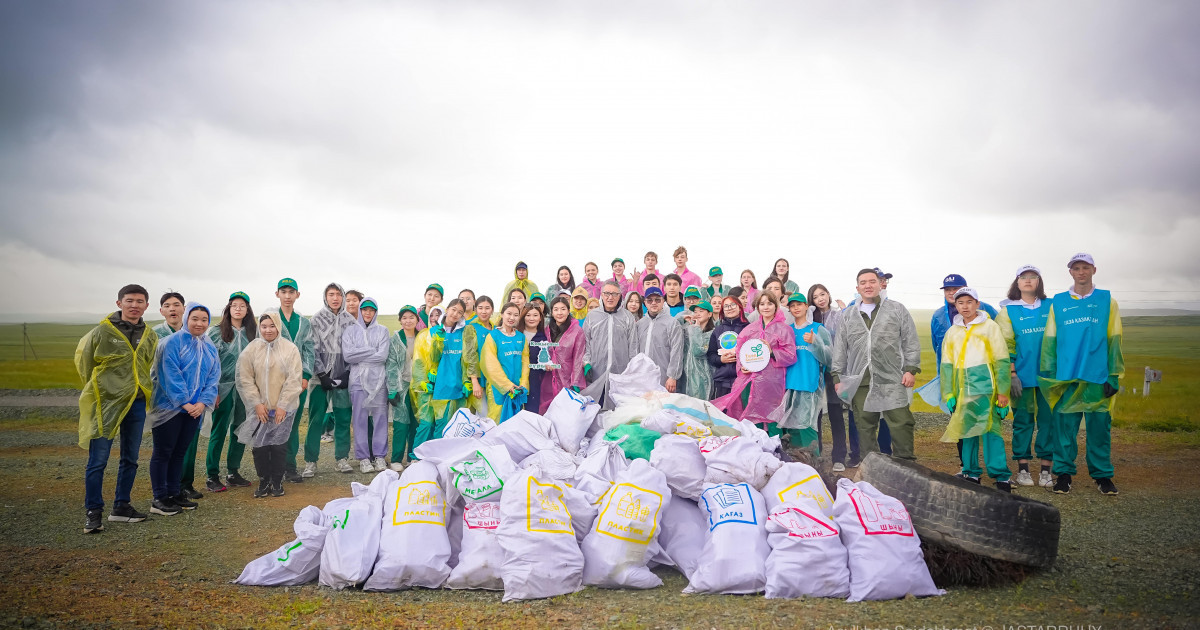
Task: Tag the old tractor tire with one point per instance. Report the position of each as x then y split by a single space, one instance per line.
963 515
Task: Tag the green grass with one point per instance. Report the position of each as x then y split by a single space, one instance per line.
1170 344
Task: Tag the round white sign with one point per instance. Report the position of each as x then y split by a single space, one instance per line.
754 355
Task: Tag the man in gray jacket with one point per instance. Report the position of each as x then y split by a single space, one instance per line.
876 356
660 337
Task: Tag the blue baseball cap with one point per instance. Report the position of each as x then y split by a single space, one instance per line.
953 281
653 291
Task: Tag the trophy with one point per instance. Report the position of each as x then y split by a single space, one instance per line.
544 356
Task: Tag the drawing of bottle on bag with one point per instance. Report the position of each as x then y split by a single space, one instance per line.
633 516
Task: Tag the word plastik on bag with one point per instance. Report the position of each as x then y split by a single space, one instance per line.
414 548
885 555
735 550
541 555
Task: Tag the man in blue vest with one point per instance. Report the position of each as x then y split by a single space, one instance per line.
1080 367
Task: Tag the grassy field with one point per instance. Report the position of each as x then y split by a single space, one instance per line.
1127 561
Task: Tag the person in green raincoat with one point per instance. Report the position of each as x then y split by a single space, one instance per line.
297 330
697 333
399 378
114 361
1080 369
445 372
170 306
975 377
521 281
236 330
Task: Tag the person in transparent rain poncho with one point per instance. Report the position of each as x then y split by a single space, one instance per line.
660 338
399 376
270 374
805 398
333 375
236 330
876 357
188 370
296 329
610 342
697 333
365 347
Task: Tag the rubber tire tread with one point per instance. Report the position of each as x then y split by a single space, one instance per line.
964 515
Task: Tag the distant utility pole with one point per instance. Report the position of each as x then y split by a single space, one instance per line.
26 342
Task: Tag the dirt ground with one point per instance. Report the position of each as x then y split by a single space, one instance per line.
1125 561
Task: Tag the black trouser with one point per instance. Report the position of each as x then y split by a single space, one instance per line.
269 462
842 430
720 390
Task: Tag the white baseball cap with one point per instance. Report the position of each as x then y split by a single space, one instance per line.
1087 258
966 291
1025 268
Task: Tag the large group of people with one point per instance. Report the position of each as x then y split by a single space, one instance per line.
1053 362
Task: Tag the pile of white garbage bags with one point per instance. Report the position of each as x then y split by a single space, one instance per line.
540 506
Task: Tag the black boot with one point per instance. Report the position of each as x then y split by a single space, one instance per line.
277 487
264 487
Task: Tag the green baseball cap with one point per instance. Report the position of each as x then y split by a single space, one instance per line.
436 287
407 307
702 304
715 271
239 294
368 303
692 292
287 282
537 296
797 297
617 260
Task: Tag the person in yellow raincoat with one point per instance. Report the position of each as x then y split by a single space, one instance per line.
976 378
445 372
114 361
505 363
520 281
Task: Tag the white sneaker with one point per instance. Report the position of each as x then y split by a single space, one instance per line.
327 437
364 466
396 466
1024 478
380 465
310 470
1045 480
343 466
839 467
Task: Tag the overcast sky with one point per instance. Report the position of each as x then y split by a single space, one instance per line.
211 147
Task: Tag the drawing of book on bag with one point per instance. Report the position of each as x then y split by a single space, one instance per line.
728 497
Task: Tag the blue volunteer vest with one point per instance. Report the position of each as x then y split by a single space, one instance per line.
449 383
508 351
805 374
1029 324
1082 336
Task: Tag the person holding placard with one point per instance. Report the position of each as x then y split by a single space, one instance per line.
722 343
764 351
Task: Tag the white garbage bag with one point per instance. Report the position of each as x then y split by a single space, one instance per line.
750 430
639 377
554 463
885 555
353 540
296 562
479 474
807 557
536 533
735 551
679 458
736 459
480 557
571 415
795 480
523 435
414 549
684 529
617 548
443 450
605 460
464 424
584 509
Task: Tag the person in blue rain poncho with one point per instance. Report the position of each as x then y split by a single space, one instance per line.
806 398
189 371
445 372
365 347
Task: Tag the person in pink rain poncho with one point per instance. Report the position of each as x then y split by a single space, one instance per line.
759 396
